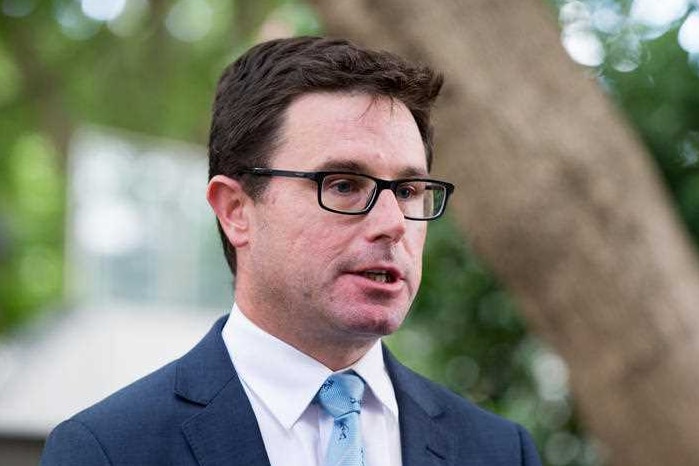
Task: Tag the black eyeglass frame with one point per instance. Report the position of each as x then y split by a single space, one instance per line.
381 184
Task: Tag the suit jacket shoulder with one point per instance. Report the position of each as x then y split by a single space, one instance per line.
439 427
121 426
192 411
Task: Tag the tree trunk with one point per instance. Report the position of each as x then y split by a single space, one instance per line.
561 200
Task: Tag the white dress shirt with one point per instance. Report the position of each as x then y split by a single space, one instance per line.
281 382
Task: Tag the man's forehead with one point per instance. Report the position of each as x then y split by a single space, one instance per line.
355 132
358 165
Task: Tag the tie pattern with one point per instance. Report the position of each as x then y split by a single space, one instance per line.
340 396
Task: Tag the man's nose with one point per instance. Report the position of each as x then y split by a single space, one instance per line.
386 219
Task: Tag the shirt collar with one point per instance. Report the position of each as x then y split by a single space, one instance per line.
265 363
372 369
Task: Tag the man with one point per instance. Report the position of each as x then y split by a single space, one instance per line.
319 160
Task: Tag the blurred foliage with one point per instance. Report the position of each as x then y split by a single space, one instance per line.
661 98
648 61
153 68
464 330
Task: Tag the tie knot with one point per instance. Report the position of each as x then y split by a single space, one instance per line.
341 394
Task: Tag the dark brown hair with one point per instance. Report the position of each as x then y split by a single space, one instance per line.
254 92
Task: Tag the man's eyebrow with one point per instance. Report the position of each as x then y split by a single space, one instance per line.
342 165
412 172
356 167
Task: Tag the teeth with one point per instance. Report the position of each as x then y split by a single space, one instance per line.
381 277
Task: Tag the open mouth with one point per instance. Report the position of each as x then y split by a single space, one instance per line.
380 276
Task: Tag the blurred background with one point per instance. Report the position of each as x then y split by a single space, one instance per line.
109 258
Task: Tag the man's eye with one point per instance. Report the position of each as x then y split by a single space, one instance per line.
408 191
343 186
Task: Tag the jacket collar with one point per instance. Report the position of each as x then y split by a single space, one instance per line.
225 428
424 440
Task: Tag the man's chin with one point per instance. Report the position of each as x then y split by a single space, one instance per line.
378 327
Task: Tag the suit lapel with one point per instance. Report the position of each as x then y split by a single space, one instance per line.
424 441
225 430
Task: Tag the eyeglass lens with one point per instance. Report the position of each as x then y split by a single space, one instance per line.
353 193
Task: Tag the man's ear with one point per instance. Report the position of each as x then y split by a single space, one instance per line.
232 207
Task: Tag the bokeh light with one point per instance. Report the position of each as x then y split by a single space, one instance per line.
658 14
583 46
103 10
688 36
578 35
190 20
131 19
74 24
607 31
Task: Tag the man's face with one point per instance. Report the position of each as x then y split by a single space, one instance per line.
310 276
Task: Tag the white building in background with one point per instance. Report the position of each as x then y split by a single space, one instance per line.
146 279
140 229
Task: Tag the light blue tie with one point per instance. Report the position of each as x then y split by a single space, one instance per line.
341 395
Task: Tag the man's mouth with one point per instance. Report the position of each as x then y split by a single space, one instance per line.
381 276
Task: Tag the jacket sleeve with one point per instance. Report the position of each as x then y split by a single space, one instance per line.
530 457
73 444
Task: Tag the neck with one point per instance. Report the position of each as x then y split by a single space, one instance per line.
338 358
336 353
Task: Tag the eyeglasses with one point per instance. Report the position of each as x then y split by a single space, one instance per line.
355 194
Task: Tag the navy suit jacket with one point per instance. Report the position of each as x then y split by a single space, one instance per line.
194 411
